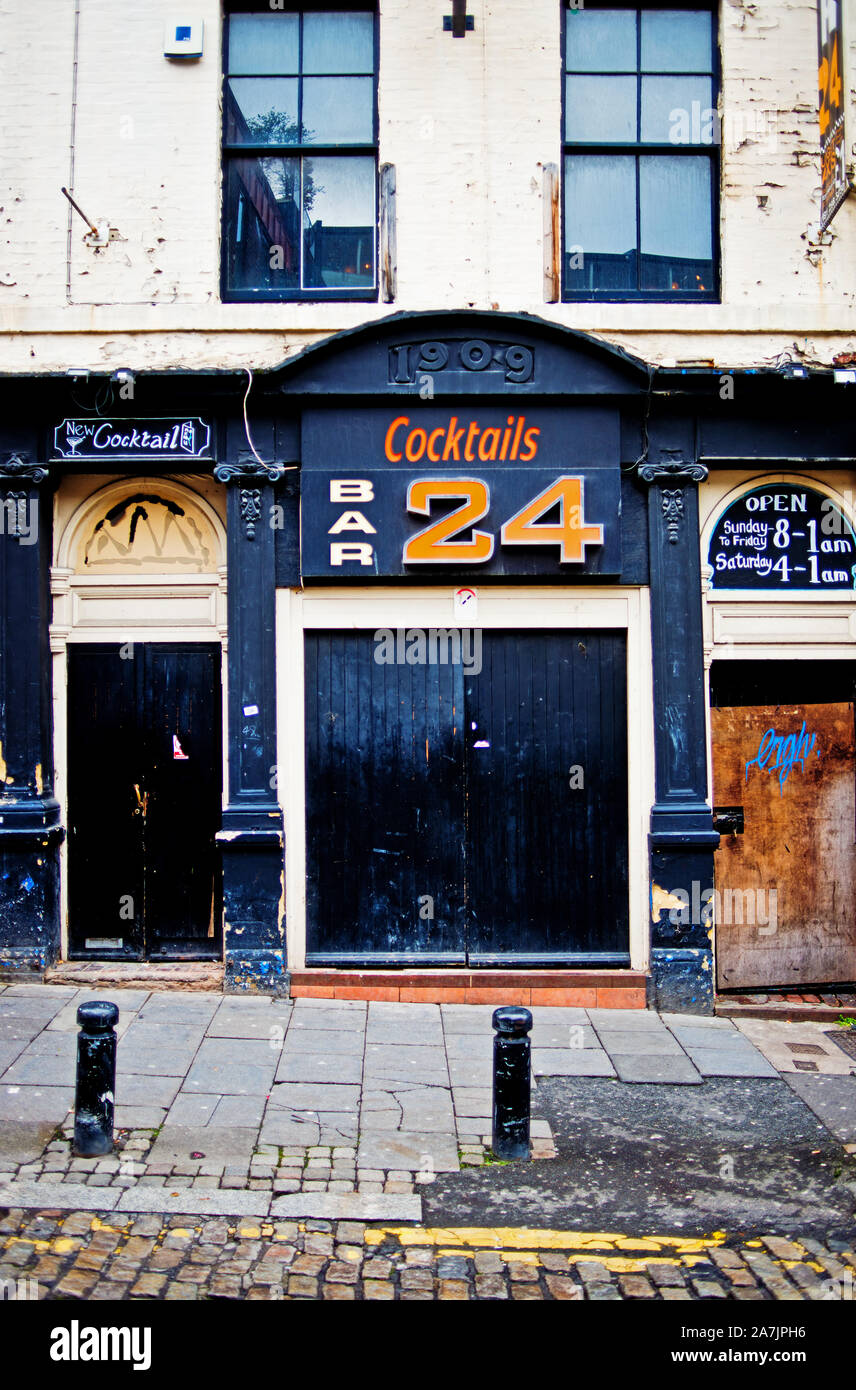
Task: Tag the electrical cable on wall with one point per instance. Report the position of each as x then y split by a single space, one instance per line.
269 463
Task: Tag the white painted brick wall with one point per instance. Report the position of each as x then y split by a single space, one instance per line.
469 124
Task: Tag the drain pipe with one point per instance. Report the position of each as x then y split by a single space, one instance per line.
72 135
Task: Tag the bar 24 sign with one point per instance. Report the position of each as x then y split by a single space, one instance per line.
783 536
492 493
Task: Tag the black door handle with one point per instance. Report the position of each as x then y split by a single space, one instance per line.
728 820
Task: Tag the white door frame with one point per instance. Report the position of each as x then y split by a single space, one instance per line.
622 608
753 625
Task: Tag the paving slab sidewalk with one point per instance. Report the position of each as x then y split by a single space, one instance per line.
219 1096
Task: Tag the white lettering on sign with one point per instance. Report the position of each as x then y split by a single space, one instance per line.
351 490
778 501
137 439
349 552
352 521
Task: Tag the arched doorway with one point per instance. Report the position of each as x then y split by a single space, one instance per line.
138 636
780 620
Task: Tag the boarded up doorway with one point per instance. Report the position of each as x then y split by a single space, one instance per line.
443 826
785 905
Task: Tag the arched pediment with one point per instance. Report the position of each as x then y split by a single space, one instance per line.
143 526
462 353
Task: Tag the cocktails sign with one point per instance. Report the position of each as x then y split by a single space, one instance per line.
430 491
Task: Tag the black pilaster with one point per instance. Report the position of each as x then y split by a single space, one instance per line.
682 838
30 832
251 839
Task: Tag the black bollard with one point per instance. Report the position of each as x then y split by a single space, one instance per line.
96 1079
511 1086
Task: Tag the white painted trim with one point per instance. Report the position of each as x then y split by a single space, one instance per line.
784 616
530 608
73 523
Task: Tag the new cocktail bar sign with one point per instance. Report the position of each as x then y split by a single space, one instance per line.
103 438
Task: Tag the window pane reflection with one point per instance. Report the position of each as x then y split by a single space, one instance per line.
338 222
600 40
675 223
337 110
338 42
600 222
677 41
261 111
600 108
261 43
263 224
677 110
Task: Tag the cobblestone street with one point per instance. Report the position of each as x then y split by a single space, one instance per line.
59 1255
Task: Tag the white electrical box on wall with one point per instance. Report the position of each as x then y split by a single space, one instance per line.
183 38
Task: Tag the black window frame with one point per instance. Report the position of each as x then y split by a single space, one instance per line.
712 151
228 153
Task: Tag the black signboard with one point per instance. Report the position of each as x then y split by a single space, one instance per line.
171 438
432 492
783 536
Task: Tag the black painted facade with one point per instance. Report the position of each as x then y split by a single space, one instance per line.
648 438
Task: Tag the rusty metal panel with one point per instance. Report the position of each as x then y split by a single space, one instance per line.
552 235
785 907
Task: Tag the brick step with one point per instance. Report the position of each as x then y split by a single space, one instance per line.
791 1008
188 976
583 989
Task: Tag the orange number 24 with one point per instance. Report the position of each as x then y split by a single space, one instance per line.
436 544
570 533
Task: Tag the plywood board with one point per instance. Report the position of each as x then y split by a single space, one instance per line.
785 905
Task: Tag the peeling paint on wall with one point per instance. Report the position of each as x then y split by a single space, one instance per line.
147 160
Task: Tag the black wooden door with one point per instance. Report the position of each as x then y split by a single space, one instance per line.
144 789
384 806
458 816
546 777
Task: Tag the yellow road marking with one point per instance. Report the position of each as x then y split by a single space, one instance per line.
525 1238
617 1264
63 1244
99 1225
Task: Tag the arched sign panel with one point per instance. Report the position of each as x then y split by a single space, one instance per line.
783 536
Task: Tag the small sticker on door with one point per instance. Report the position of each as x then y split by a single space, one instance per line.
466 605
178 752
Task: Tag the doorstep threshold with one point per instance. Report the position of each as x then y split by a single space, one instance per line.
582 989
188 976
824 1005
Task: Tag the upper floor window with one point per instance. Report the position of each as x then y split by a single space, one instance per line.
300 155
640 154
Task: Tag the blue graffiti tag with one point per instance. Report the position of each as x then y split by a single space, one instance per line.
788 752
